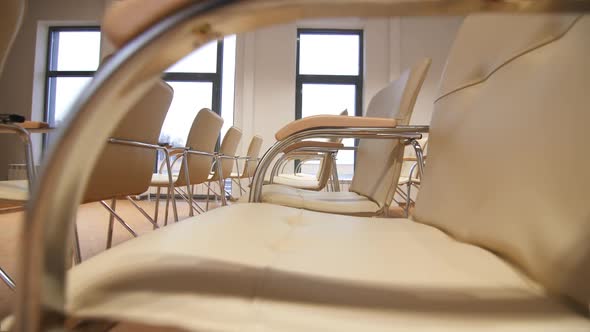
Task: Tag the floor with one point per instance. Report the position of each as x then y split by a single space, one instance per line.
92 225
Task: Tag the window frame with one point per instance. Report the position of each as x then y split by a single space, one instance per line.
51 62
214 78
356 80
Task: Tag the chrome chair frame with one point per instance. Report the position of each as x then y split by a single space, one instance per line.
334 181
304 154
112 207
237 179
174 158
131 72
410 133
406 195
308 154
188 195
221 180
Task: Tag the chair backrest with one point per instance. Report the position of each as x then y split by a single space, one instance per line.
508 164
126 170
229 146
11 17
202 137
378 162
252 154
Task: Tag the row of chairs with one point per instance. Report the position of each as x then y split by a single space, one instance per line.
470 259
125 167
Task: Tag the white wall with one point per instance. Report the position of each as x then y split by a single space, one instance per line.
265 69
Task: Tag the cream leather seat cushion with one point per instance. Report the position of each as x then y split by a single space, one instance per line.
161 179
262 267
14 190
299 180
332 202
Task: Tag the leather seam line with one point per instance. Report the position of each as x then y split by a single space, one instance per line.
510 60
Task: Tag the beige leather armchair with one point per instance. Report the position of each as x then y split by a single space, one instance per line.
464 263
378 162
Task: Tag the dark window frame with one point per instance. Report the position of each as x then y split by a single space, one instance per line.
356 80
52 56
214 78
51 62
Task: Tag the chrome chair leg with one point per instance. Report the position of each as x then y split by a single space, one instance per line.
111 224
419 155
170 188
167 206
118 218
142 211
238 178
77 251
208 193
408 199
183 195
335 179
221 184
189 191
7 280
158 190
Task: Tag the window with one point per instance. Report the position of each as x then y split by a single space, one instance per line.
330 80
72 59
203 79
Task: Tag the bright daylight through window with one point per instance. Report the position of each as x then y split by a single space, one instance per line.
203 79
73 57
329 81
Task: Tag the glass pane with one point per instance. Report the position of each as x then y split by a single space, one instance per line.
77 50
328 54
228 83
203 60
189 99
66 91
330 99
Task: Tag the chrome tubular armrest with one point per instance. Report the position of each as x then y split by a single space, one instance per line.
303 154
137 144
222 156
411 133
201 153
